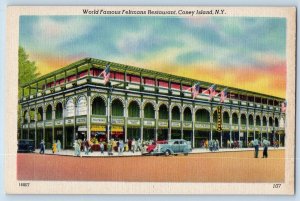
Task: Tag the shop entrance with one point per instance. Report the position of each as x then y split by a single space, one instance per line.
201 137
187 135
39 137
133 133
48 138
148 134
162 134
58 135
176 134
69 137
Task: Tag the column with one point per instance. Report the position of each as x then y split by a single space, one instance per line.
261 125
211 124
142 123
268 128
53 122
28 122
230 126
181 122
170 122
88 117
125 117
35 129
64 128
254 125
193 127
247 129
156 122
108 117
44 129
239 125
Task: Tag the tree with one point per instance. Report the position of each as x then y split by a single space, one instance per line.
27 72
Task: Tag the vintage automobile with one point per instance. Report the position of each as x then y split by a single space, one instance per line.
173 147
151 147
26 145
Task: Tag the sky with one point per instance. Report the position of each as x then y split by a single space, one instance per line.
242 52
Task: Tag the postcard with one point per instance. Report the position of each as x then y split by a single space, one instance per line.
150 100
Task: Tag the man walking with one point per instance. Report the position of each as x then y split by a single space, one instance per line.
256 145
42 147
266 143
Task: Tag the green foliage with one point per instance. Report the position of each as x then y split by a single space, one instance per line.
27 69
27 72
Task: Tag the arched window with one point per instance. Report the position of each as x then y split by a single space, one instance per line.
235 119
175 113
215 117
270 121
276 122
149 111
81 108
187 114
31 115
40 114
133 109
264 121
226 118
25 119
98 106
49 112
163 112
117 108
58 111
202 115
243 119
251 120
70 108
257 121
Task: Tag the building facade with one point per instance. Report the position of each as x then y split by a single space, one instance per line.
73 102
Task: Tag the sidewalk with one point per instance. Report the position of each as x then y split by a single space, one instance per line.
70 152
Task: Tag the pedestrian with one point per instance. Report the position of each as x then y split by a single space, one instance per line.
102 148
138 145
121 147
210 145
133 145
58 145
265 143
256 145
217 145
42 147
54 148
86 146
109 148
76 146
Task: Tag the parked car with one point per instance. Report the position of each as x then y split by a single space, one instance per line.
173 147
151 147
26 145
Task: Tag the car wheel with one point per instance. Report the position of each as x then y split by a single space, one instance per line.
168 153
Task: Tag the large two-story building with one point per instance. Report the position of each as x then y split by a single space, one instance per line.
73 102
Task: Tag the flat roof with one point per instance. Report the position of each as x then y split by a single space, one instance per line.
149 73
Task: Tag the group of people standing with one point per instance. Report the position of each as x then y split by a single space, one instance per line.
265 143
56 147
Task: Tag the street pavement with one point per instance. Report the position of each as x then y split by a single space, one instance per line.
70 152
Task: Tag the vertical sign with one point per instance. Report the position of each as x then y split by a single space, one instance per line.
219 122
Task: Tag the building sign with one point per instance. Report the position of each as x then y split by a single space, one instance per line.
149 123
241 134
81 120
187 125
48 123
219 122
176 124
98 120
117 121
95 128
202 125
25 126
58 122
117 128
39 124
69 121
133 122
81 108
70 108
163 124
32 125
82 128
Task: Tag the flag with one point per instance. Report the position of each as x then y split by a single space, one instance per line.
283 106
106 73
223 95
195 90
211 90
